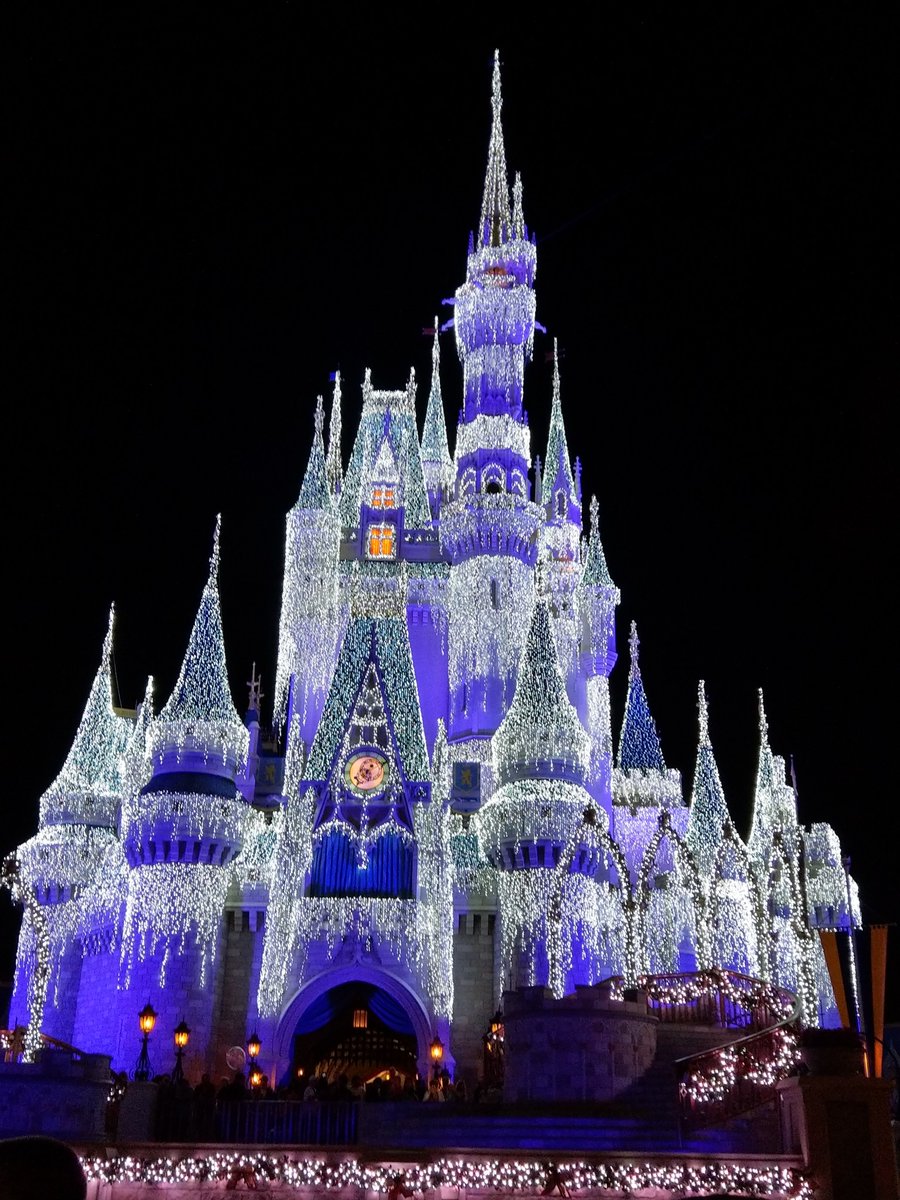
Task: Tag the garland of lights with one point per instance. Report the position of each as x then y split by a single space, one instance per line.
678 1180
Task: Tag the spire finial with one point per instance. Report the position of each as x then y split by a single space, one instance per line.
495 220
108 640
633 647
763 723
595 516
254 683
214 558
556 399
320 416
703 713
436 346
333 464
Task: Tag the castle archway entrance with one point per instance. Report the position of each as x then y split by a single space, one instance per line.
354 1022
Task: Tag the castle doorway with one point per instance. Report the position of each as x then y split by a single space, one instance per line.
355 1031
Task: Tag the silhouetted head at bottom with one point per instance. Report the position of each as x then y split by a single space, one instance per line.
40 1166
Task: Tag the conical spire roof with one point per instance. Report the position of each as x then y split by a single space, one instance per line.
495 217
435 449
557 447
201 707
315 492
334 470
88 787
639 745
709 812
596 572
541 733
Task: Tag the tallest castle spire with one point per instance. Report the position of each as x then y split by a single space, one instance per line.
495 222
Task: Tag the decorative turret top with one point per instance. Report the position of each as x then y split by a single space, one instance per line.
774 805
200 714
639 745
558 492
541 735
387 427
436 460
709 812
315 493
333 466
88 788
596 572
495 220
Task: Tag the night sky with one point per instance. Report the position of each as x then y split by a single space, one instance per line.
212 213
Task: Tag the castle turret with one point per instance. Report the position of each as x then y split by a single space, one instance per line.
310 608
436 460
334 468
541 757
643 786
490 532
708 812
184 828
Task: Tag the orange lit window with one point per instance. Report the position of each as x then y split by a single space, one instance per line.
360 1018
382 497
381 541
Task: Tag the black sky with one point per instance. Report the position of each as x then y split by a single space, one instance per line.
213 211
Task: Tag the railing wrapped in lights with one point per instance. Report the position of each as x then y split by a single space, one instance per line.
727 1080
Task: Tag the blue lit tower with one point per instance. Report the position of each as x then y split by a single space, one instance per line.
643 787
541 754
181 834
74 863
490 532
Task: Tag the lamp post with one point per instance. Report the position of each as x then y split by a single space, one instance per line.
437 1053
253 1048
182 1033
147 1021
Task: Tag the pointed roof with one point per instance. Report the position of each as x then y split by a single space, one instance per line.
391 417
333 465
201 702
88 787
518 211
709 812
557 447
315 492
639 745
435 448
774 803
596 572
541 732
384 644
495 220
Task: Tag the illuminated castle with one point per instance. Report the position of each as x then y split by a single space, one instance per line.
440 810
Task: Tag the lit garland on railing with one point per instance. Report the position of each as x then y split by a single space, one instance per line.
714 1082
182 815
676 1180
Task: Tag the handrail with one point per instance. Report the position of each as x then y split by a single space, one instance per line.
12 1044
736 1076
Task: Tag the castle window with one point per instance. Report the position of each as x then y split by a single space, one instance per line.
467 483
561 504
381 542
383 496
517 483
493 479
495 594
360 1018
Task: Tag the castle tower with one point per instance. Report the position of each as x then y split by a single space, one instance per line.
596 598
436 460
310 608
535 816
74 863
180 833
362 886
490 532
643 787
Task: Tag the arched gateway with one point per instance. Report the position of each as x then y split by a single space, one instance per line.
318 1022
